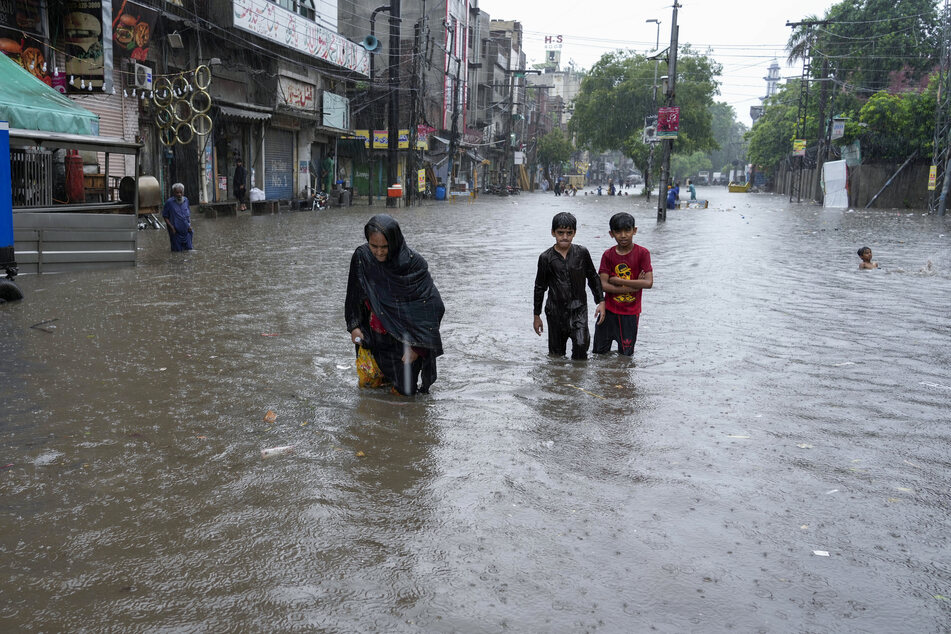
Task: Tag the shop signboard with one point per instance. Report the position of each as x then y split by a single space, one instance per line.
381 139
23 37
852 153
838 129
336 111
361 134
422 136
300 95
287 28
86 28
132 29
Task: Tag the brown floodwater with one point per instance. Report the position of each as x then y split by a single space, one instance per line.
775 459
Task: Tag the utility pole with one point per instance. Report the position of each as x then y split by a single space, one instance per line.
823 101
940 160
650 150
374 111
412 187
803 100
393 135
454 125
510 128
671 94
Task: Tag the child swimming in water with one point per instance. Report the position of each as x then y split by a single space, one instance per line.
866 254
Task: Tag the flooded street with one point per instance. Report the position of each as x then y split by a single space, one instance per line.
776 459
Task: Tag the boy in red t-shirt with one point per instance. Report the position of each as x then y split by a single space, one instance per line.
625 272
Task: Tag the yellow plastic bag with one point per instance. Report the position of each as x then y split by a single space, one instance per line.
368 372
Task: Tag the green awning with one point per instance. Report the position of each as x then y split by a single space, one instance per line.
29 104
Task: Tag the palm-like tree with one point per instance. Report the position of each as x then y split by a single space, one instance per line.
801 39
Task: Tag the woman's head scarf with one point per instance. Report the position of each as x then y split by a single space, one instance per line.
400 290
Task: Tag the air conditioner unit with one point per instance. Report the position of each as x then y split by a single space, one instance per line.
143 76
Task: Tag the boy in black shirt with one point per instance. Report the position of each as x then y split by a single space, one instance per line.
562 271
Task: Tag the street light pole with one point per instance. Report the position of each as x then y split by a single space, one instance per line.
374 111
656 46
671 93
650 151
392 156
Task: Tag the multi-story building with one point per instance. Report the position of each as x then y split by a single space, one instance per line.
285 85
202 84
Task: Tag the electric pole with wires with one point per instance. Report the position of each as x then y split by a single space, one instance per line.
941 161
671 94
796 181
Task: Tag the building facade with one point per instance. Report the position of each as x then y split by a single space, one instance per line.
201 84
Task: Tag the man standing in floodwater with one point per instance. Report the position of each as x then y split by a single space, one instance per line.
178 219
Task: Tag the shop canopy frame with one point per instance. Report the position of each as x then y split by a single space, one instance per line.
53 141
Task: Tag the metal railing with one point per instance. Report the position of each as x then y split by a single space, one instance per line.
32 177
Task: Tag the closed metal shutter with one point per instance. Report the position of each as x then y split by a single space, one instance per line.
118 117
278 164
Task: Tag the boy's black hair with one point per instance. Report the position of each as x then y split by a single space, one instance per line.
863 250
564 220
621 221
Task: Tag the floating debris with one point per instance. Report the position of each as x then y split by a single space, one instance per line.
39 325
586 391
270 417
277 451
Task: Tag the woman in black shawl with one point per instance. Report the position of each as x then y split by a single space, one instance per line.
393 307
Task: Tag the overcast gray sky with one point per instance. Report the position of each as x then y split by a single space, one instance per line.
744 35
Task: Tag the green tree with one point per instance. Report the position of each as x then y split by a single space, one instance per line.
617 94
875 58
865 45
891 127
729 135
770 140
801 39
686 166
553 149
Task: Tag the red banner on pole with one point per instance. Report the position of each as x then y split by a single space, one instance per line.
668 122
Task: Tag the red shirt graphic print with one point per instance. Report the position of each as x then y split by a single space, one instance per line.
628 267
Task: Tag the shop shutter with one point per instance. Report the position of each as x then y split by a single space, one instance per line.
278 164
118 117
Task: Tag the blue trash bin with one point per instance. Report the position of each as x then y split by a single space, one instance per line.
440 193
